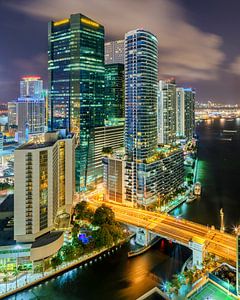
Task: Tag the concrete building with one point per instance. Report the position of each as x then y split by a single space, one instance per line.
44 184
12 116
105 137
166 112
114 52
114 177
185 113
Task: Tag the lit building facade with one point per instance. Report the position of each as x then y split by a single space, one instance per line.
166 121
114 91
185 113
31 86
44 171
76 86
12 114
141 73
30 117
114 52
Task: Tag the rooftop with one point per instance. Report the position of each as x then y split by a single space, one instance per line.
46 140
47 238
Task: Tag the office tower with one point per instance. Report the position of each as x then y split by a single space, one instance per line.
114 177
180 113
31 86
44 171
106 137
30 117
114 91
12 114
76 86
185 113
166 112
114 52
30 108
189 100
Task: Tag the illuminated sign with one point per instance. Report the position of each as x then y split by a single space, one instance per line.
89 22
31 78
61 22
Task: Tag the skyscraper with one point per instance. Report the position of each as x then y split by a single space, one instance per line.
114 91
185 113
114 52
31 86
76 86
167 112
189 99
141 74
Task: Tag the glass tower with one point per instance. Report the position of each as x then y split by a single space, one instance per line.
76 86
114 91
141 75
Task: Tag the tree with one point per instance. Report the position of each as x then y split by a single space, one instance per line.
80 209
67 252
103 237
75 229
56 261
103 215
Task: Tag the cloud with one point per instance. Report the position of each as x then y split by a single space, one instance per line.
234 67
33 65
185 50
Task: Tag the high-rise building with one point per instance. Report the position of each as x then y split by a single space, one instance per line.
189 100
12 114
76 86
141 72
30 117
44 171
185 113
147 170
31 86
114 52
114 91
166 112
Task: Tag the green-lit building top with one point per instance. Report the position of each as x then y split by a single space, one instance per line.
76 85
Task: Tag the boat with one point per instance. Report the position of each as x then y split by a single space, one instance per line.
191 198
229 131
197 189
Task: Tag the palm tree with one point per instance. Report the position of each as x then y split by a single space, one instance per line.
16 273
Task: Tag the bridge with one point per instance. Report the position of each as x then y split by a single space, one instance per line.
177 230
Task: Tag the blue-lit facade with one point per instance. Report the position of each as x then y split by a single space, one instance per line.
76 91
141 75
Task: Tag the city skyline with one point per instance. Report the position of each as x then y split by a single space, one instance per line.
202 53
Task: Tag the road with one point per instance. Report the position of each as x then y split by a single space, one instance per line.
178 230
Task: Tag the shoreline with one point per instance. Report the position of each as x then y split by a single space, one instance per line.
59 271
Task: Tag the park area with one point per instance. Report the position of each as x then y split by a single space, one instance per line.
210 291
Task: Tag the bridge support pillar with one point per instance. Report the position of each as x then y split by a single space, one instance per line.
144 237
198 247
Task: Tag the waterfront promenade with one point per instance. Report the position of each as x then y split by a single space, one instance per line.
28 280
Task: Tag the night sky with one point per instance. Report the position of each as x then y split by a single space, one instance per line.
199 41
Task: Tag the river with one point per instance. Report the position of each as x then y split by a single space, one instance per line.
119 278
